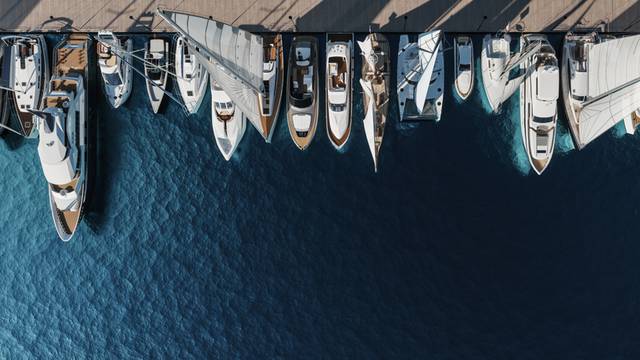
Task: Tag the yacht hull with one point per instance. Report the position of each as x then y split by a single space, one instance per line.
156 87
274 52
464 79
191 76
338 123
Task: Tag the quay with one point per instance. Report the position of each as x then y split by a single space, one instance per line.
327 15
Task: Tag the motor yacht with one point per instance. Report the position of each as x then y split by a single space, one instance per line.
339 80
227 121
463 55
302 90
156 66
114 60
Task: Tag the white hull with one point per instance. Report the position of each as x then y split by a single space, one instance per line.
191 76
156 82
496 52
464 66
117 75
228 129
339 89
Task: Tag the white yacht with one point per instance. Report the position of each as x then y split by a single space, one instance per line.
62 146
339 73
538 102
227 120
463 55
270 97
156 68
498 66
191 76
30 75
420 77
302 90
117 74
375 78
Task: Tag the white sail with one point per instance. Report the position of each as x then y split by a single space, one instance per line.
367 50
369 119
614 86
429 43
232 56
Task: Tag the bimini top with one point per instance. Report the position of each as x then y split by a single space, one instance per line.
232 56
614 86
58 164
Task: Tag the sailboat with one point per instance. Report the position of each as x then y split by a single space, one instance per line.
538 102
600 84
463 55
117 74
420 77
156 66
30 75
191 76
233 57
64 121
270 97
375 84
227 121
302 90
339 79
497 65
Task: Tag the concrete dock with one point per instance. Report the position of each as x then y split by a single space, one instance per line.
327 15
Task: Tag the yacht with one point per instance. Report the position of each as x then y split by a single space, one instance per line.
463 55
5 72
273 81
339 73
302 90
191 76
600 78
501 71
227 120
420 77
538 102
114 59
374 80
63 127
156 66
30 65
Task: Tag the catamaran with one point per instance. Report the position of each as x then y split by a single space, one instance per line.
156 66
114 59
339 73
420 77
600 84
302 90
273 81
463 55
227 121
64 121
538 102
30 74
191 76
375 79
497 65
233 57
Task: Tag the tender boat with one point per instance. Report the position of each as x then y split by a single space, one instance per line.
302 90
117 74
538 102
420 77
375 79
227 120
191 76
600 84
463 55
273 80
63 127
497 65
339 73
156 68
30 64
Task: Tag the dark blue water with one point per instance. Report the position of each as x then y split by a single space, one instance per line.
454 250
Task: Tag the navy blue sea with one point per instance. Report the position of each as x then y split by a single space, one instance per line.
454 250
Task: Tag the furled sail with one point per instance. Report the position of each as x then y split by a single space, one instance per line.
429 43
232 56
614 86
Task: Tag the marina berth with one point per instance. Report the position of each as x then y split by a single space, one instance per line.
598 94
29 68
374 80
464 64
339 87
302 90
63 141
114 59
420 77
191 75
538 102
270 97
156 66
